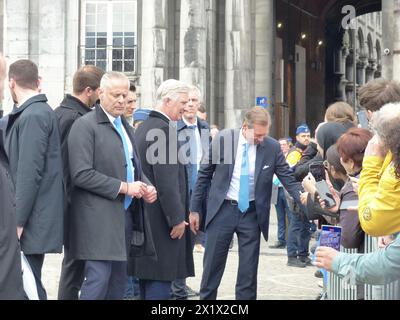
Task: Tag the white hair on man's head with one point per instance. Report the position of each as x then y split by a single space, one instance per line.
170 89
384 120
197 92
111 75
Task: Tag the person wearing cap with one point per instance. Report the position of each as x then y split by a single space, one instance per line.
140 116
299 227
303 138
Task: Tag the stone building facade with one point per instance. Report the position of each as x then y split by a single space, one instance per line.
233 50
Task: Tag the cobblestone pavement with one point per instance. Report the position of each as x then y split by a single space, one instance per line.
276 281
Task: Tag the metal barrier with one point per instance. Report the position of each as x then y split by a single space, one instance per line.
338 289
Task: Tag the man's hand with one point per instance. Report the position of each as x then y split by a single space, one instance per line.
309 184
136 189
194 219
324 258
374 148
150 196
303 198
355 183
20 231
383 242
179 230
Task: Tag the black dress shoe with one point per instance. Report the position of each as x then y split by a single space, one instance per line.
296 263
191 293
307 261
278 245
318 274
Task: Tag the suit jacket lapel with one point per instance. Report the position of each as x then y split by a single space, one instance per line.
234 147
136 162
259 162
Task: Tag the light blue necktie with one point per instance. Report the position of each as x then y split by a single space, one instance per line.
129 167
193 156
243 202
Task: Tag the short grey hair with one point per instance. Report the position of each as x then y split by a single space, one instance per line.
197 91
111 75
386 122
171 89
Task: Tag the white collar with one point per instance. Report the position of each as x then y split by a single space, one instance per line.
109 116
163 114
188 124
27 98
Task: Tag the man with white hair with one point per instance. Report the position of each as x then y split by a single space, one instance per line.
196 132
158 150
106 178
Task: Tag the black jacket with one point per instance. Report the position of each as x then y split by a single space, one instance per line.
33 148
10 257
70 110
174 257
98 165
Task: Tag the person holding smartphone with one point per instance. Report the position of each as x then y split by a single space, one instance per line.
379 206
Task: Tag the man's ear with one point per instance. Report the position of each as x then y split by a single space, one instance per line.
88 91
370 114
11 83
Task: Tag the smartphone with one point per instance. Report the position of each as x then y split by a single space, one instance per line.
325 194
349 204
331 237
363 119
318 171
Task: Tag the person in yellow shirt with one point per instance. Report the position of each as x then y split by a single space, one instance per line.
303 140
379 191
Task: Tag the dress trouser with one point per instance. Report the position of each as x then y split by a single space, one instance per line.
104 280
72 276
36 263
230 220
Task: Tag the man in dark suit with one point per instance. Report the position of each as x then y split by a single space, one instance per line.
241 169
105 174
195 132
86 84
33 148
158 149
10 256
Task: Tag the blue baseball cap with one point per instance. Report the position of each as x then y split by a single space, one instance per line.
141 114
302 129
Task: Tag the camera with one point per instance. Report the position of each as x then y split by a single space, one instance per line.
386 52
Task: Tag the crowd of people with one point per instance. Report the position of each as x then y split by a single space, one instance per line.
126 193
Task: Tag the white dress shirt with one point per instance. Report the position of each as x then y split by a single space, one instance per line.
233 192
199 151
127 139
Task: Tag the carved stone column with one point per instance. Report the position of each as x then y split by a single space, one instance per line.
265 55
238 94
193 43
340 72
370 71
361 70
391 38
154 48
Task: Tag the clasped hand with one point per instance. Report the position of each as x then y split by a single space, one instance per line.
140 190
